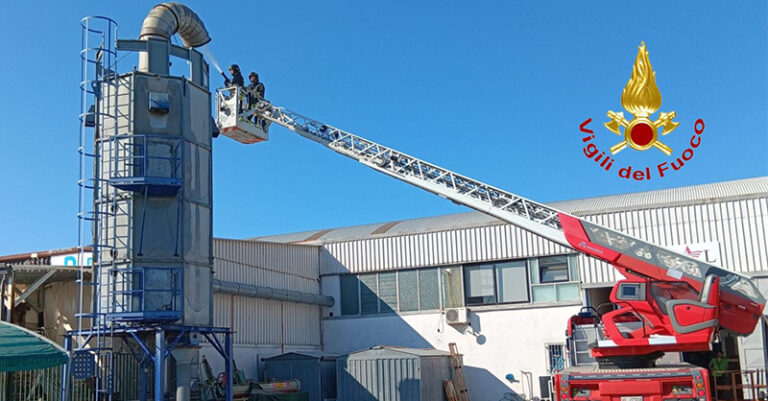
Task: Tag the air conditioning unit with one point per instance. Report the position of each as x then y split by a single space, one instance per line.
457 316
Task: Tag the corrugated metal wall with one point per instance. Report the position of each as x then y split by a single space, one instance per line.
61 306
281 266
385 379
738 225
390 375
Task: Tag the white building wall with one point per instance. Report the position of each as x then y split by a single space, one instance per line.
497 343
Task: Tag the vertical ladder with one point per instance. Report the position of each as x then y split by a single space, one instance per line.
450 391
458 373
98 110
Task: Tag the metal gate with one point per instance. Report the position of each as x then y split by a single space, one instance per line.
45 384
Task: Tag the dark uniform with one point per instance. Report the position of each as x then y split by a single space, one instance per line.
255 88
237 77
255 92
237 80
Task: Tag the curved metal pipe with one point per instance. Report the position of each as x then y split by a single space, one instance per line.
166 19
257 291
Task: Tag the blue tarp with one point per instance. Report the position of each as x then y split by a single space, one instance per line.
21 349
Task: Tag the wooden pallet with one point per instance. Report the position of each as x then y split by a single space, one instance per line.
458 374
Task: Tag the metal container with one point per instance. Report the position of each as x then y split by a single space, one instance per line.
384 373
316 371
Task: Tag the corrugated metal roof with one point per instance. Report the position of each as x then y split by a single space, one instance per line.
288 356
696 194
40 257
406 350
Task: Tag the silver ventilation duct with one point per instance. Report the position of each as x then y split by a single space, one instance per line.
166 19
257 291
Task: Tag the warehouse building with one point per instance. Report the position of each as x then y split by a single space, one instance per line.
394 282
501 294
284 318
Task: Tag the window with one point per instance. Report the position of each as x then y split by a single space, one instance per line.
489 284
479 283
350 301
539 280
556 360
453 296
429 289
408 288
553 269
388 292
397 291
512 281
555 279
369 300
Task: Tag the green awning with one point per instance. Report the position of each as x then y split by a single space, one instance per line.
21 349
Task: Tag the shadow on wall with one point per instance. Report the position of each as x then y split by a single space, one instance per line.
492 385
404 390
374 322
382 381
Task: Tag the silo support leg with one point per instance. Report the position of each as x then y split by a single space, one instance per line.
159 365
228 365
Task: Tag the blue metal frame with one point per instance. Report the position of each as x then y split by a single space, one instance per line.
166 339
130 294
133 165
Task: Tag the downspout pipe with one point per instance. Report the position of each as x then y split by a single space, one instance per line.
162 22
257 291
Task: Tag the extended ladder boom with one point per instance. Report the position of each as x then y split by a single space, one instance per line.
536 217
631 256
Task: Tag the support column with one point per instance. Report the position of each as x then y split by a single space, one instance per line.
143 380
159 364
11 297
65 370
228 365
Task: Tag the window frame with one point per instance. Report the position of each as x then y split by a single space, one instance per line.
442 284
494 269
533 280
377 293
554 285
527 270
357 296
567 269
418 292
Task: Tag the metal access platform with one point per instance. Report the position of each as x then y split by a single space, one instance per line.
237 119
136 168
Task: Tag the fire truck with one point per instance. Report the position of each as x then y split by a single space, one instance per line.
667 302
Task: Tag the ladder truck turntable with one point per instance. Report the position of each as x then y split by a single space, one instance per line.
668 302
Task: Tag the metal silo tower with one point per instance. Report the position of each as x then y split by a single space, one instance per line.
145 207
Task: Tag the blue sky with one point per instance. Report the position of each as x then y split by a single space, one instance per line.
494 90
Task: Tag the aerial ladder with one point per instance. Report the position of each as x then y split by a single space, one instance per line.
667 302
